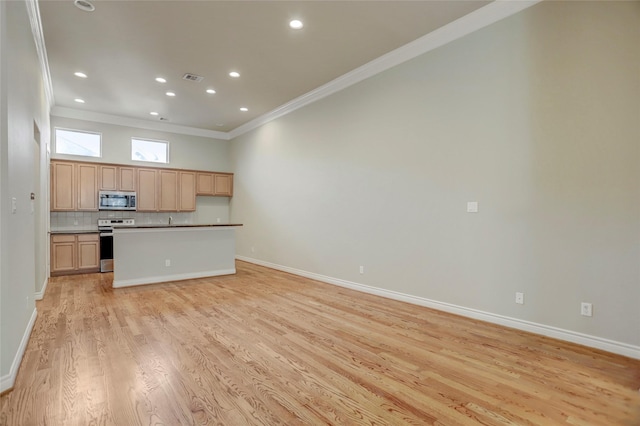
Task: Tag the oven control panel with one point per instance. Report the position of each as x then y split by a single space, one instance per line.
115 222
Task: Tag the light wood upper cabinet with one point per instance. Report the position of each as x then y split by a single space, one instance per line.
126 178
108 178
63 186
205 184
72 254
168 191
116 178
147 190
224 184
87 187
74 186
219 184
187 192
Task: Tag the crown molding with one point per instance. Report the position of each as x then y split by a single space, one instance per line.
33 10
467 24
58 111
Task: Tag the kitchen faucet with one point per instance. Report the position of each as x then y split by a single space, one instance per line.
170 219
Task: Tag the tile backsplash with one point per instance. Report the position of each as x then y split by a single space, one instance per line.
89 220
208 210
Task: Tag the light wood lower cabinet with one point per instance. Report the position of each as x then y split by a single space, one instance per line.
88 251
63 254
75 254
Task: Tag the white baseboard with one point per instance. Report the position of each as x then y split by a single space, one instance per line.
39 295
532 327
167 278
7 381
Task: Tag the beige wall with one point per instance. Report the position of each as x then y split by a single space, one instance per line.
22 171
535 117
6 333
186 152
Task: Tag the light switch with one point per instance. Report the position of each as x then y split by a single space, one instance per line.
472 207
14 205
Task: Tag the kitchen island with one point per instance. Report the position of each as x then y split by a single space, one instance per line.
149 254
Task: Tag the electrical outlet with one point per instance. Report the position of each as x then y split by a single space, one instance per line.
586 309
520 298
167 262
362 269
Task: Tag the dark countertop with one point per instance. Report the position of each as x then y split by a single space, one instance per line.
74 231
178 225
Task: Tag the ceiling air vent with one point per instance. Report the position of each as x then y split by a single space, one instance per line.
193 77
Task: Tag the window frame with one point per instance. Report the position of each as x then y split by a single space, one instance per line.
166 143
91 132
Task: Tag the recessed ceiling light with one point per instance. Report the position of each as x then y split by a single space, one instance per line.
296 24
170 94
211 91
161 80
234 74
78 100
154 113
243 109
84 5
80 74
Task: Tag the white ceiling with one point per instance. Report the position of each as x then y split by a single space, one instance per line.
123 45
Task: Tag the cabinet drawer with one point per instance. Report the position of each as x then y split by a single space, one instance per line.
66 238
88 237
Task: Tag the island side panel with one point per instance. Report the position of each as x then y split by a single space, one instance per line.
140 255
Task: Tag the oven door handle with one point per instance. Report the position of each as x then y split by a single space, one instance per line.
106 234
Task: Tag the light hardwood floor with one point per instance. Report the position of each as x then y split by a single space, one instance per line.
267 348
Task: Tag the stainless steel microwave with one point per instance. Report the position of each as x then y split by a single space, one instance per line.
116 200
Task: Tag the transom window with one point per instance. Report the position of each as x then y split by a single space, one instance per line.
78 142
149 150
